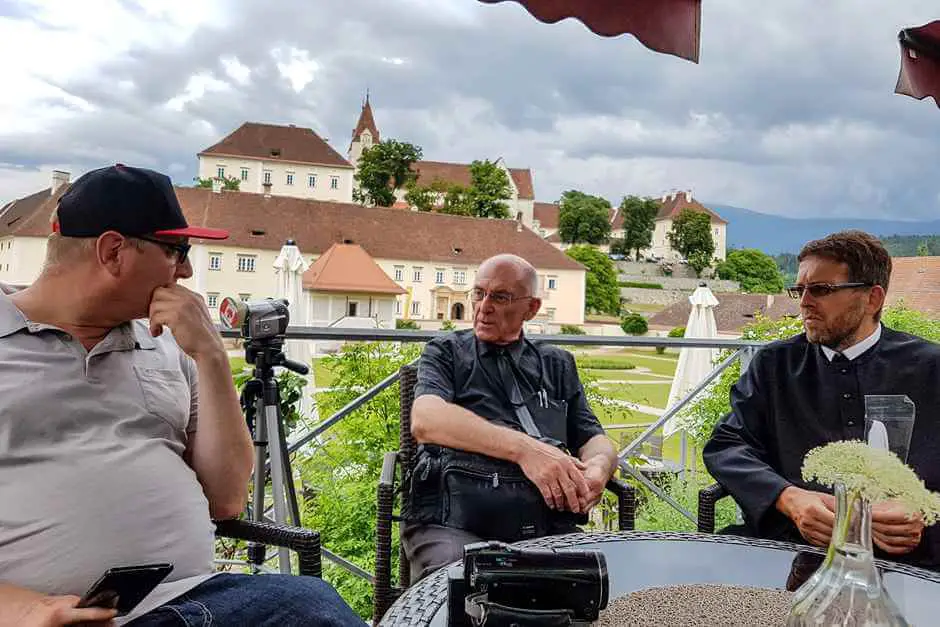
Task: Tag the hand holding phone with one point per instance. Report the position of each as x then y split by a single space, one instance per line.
123 588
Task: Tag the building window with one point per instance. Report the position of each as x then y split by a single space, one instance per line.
460 277
415 308
352 309
215 261
439 276
290 178
212 300
552 283
244 174
397 307
311 180
246 263
416 275
244 297
220 172
267 176
716 231
399 273
334 182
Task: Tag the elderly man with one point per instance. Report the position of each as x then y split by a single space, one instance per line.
509 447
808 390
121 439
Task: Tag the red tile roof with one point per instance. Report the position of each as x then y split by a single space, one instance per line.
673 204
459 173
547 214
732 312
29 216
916 281
366 121
348 268
291 144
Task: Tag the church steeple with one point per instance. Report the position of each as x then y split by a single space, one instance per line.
366 132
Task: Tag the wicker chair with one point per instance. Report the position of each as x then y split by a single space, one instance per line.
403 460
305 542
707 497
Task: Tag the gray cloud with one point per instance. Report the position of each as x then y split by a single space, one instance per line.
790 111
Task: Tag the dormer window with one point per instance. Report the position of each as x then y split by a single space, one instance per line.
275 152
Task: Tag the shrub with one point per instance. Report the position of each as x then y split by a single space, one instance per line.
604 363
448 325
633 323
571 329
645 286
407 324
675 332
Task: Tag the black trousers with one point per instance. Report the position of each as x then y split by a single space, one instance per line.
429 547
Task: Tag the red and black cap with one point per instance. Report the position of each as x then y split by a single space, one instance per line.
131 201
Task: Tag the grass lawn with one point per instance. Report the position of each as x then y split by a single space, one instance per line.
656 366
652 395
644 307
620 375
324 378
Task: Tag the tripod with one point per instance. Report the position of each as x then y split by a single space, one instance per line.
260 400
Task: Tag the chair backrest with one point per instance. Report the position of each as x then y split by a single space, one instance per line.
408 378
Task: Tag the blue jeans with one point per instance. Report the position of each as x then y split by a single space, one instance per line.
254 600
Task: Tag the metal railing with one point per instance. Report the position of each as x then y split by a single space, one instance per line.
743 350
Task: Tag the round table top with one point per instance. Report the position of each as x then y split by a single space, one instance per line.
637 560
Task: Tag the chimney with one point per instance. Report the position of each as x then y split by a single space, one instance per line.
665 198
59 178
216 185
267 189
688 196
770 301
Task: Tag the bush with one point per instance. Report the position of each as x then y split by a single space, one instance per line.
604 363
655 514
633 323
571 329
448 325
675 332
645 286
407 324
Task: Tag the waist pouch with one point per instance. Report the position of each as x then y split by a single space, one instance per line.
490 498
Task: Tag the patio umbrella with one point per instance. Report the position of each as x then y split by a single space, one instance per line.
919 76
667 26
289 268
694 363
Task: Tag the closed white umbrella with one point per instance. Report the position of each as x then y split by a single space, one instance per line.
694 363
289 268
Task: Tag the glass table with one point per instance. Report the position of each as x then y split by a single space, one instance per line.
638 560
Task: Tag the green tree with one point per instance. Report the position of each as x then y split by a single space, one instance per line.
639 220
229 183
602 294
382 169
489 189
756 271
789 265
456 201
634 323
583 219
691 237
923 250
420 197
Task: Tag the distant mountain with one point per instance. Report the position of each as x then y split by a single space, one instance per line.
776 234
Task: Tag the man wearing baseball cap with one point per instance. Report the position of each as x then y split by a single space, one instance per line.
122 439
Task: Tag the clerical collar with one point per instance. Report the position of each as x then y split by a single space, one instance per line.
856 350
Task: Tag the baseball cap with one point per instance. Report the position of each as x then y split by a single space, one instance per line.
132 201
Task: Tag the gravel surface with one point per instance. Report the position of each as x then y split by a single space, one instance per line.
698 606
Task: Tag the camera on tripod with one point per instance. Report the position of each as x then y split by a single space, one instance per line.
259 320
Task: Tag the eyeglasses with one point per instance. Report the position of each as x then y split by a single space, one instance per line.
821 290
497 298
181 250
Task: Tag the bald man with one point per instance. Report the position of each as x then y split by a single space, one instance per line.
493 407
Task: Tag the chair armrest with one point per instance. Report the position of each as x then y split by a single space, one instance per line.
389 461
626 503
384 595
707 497
305 542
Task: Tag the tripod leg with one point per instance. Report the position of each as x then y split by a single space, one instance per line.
292 507
256 552
277 480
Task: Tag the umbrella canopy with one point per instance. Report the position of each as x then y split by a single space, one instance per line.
920 62
289 268
694 363
668 26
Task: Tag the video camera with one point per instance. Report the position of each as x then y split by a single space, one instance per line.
259 320
501 585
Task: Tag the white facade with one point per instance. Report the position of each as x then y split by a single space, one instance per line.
662 248
300 180
352 309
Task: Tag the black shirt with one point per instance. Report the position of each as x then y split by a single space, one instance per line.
792 399
461 369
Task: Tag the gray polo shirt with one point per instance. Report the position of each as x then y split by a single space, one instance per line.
91 469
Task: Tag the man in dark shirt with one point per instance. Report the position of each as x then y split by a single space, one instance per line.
808 390
461 403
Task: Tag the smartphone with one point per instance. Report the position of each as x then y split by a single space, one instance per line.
123 588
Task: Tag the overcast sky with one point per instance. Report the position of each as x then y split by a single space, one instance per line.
790 111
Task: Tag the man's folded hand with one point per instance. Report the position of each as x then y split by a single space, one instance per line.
558 476
813 513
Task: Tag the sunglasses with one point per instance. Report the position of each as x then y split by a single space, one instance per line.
181 250
821 290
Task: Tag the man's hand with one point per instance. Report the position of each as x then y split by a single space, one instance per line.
596 477
812 512
186 314
24 608
558 476
895 531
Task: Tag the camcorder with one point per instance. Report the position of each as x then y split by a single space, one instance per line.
259 320
501 585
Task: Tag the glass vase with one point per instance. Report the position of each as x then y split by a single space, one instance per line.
847 589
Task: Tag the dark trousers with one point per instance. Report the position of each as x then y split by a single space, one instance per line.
429 547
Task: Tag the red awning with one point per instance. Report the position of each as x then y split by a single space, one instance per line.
920 62
668 26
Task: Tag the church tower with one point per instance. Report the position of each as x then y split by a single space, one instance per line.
365 134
